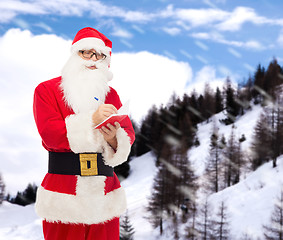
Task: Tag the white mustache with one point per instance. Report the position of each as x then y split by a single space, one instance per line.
91 63
99 64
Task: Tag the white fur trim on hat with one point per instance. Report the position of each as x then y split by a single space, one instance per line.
90 205
89 43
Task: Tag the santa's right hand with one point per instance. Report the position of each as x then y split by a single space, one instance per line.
103 112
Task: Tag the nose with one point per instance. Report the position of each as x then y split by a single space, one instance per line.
94 58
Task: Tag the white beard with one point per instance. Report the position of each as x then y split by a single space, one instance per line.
81 85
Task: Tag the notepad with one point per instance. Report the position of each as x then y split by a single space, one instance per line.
117 117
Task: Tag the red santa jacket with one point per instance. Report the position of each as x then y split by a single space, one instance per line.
72 198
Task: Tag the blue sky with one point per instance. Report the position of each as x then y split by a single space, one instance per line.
232 36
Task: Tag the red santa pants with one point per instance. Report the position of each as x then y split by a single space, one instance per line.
61 231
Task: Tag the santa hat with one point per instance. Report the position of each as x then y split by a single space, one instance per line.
88 38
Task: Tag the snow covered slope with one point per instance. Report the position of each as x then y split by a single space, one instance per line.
138 189
249 203
244 125
19 223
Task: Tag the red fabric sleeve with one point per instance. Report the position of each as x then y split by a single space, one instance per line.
49 121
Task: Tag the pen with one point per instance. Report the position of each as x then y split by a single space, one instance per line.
97 99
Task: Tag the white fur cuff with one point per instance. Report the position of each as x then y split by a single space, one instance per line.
81 135
112 158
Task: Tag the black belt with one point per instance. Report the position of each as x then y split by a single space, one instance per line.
84 164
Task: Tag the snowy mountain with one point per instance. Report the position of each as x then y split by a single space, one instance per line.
249 203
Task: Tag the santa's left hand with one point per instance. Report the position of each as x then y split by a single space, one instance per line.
109 134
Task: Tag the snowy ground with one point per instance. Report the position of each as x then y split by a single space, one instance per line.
19 223
138 188
249 203
244 125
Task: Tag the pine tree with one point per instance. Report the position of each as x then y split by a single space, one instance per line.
221 224
26 197
208 102
232 107
261 144
247 92
233 160
258 85
142 139
244 98
276 127
174 188
274 230
193 106
213 165
191 230
205 223
246 236
272 80
30 193
146 137
218 101
229 159
126 229
279 127
157 201
2 189
175 222
239 160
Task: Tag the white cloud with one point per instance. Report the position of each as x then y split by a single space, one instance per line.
219 38
6 16
120 32
280 39
138 29
234 52
18 6
219 19
201 45
254 45
126 43
21 23
201 35
173 31
238 17
170 55
249 67
25 61
186 54
202 59
69 8
224 71
206 75
148 79
209 3
44 26
201 17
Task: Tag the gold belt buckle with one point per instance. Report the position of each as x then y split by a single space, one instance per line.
88 162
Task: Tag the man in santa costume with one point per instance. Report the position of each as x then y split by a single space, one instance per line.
81 197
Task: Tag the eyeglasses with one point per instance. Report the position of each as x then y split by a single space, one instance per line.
87 54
